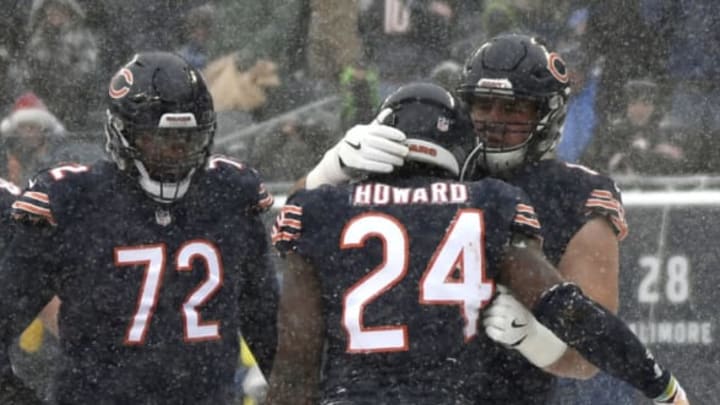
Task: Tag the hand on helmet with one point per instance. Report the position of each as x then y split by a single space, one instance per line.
509 323
371 148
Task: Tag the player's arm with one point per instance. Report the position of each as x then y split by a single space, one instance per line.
592 330
25 288
258 309
296 375
594 248
592 261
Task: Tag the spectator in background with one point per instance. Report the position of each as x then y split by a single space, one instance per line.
636 143
198 28
29 134
499 17
293 148
13 20
581 119
310 42
446 74
273 30
405 40
61 58
628 47
234 89
690 29
359 92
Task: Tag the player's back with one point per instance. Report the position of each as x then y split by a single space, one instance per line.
404 269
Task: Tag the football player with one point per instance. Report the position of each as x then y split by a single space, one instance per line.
388 277
516 91
35 347
159 255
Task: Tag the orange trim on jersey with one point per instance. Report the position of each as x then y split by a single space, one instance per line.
527 221
266 202
42 197
525 208
291 223
620 226
602 194
284 236
611 205
612 201
35 210
292 209
215 159
604 199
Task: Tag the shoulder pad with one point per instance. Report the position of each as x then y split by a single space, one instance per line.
216 162
604 198
511 202
244 176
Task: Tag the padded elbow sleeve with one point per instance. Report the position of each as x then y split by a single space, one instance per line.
601 337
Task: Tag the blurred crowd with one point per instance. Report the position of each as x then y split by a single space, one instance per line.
289 76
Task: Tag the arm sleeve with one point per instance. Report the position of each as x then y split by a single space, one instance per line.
260 302
601 337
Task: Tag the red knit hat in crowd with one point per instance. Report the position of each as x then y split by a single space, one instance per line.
30 109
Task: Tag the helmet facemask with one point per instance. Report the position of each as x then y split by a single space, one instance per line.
518 68
164 158
507 144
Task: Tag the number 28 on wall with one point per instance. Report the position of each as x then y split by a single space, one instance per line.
673 279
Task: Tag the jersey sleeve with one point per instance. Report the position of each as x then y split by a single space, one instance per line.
258 308
34 205
258 198
30 260
605 201
525 220
288 225
507 212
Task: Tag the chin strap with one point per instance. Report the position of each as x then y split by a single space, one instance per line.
163 192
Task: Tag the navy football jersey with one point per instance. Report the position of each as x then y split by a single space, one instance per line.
153 295
565 197
404 267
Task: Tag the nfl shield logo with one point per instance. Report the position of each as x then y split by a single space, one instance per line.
443 124
163 217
